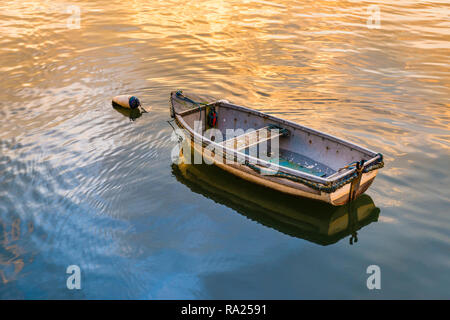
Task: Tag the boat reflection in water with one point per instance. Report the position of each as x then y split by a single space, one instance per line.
133 114
314 221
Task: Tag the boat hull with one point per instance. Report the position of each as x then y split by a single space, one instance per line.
336 198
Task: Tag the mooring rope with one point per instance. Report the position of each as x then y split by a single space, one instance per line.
181 96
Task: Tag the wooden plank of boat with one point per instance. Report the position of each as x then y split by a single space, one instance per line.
252 138
310 163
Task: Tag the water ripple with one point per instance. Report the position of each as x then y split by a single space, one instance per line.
82 184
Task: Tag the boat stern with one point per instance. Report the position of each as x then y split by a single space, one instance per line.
343 195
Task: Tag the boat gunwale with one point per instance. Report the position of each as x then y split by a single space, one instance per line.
235 153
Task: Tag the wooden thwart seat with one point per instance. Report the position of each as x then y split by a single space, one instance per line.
252 138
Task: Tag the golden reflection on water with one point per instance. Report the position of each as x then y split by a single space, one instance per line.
313 62
284 57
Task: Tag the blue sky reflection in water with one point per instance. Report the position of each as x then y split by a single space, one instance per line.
82 184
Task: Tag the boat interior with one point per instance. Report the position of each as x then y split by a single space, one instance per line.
300 150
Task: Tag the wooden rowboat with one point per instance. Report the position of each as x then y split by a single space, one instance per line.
273 152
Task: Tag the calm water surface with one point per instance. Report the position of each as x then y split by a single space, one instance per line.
82 184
